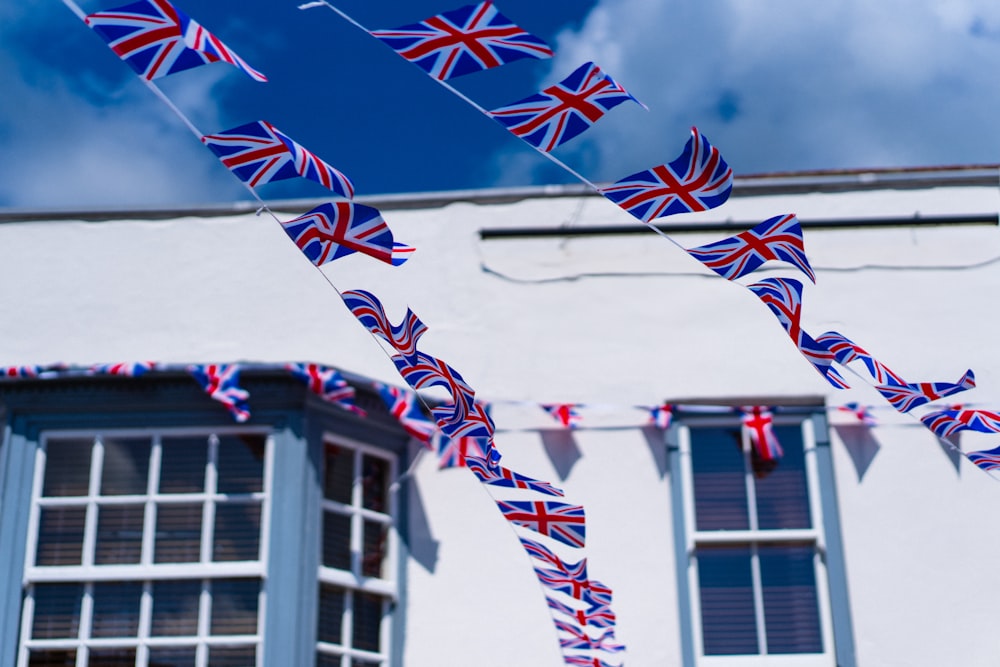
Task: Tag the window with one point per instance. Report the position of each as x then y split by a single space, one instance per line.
145 548
755 559
356 589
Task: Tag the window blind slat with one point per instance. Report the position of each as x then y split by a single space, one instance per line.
729 625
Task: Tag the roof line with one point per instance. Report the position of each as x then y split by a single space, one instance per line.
744 186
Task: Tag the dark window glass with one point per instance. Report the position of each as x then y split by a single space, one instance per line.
791 608
374 548
182 465
175 608
232 656
56 658
729 626
112 657
119 534
116 609
57 611
324 660
241 463
367 621
331 614
374 483
782 496
234 606
336 540
178 533
172 657
237 532
60 535
67 467
720 492
338 475
126 466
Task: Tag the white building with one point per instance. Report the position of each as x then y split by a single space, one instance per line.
140 524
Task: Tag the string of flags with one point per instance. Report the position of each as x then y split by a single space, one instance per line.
155 40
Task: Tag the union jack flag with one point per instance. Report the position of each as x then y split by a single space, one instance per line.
778 239
594 616
222 383
403 406
156 39
948 422
862 412
333 230
845 351
562 522
987 459
908 396
259 153
459 452
497 475
127 369
564 413
327 383
464 416
369 311
661 415
462 41
576 639
698 180
585 661
759 424
560 112
783 297
21 371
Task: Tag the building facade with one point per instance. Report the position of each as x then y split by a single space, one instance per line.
140 524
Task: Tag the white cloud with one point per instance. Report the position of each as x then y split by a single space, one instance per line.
785 84
68 141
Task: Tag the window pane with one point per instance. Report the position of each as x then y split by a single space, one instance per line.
367 621
338 476
57 658
172 657
720 497
241 463
331 614
60 535
324 660
374 548
365 663
791 608
67 467
116 609
237 532
782 496
182 465
126 466
374 483
178 533
175 608
337 541
119 534
57 611
112 657
229 656
234 606
729 626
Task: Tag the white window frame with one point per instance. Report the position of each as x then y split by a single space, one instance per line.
354 581
146 571
754 537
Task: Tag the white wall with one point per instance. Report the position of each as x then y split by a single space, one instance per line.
612 322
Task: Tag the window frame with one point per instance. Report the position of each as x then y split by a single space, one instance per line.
147 571
824 534
354 581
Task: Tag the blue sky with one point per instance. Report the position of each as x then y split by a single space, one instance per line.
778 85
